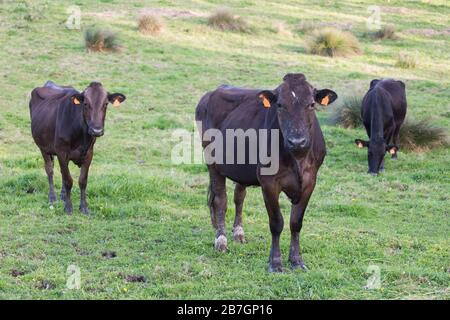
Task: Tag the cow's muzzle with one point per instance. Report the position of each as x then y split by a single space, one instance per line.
96 132
297 145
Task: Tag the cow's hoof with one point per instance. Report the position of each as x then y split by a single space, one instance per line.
221 243
51 198
85 211
238 234
299 265
68 209
275 265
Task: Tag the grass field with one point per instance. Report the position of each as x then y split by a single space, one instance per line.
153 214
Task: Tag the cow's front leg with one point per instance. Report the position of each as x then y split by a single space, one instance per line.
82 182
217 201
67 183
276 223
296 221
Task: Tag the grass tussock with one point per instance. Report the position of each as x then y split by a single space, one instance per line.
225 20
150 24
386 32
417 135
406 61
101 40
332 42
348 113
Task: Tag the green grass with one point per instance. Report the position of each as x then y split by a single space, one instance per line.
153 214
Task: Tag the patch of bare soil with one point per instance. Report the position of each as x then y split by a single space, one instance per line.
106 14
428 32
45 285
172 13
17 273
135 278
109 254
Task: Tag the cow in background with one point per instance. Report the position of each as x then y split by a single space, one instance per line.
383 111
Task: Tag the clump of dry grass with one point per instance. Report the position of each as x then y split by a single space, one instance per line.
333 42
101 40
348 113
386 32
150 24
422 135
406 61
224 20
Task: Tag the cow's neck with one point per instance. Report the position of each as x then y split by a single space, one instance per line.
376 124
79 129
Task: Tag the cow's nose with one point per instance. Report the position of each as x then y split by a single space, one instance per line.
298 143
96 132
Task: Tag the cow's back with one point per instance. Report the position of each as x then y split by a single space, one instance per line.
44 106
232 108
227 106
397 93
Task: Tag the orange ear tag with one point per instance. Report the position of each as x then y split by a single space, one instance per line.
265 101
325 101
116 103
360 145
76 101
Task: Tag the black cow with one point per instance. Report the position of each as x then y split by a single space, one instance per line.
288 110
383 111
65 123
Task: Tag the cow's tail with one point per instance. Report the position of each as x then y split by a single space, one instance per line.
210 200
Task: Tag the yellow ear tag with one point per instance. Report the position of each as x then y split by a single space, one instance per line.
325 101
360 145
76 101
392 151
265 101
116 103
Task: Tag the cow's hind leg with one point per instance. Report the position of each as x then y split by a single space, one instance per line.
239 196
82 182
49 164
217 202
67 183
396 139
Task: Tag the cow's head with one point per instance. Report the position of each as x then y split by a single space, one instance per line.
295 101
94 101
377 149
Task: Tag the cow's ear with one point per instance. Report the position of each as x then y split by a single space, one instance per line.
392 149
116 98
374 82
267 98
77 99
361 143
325 96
